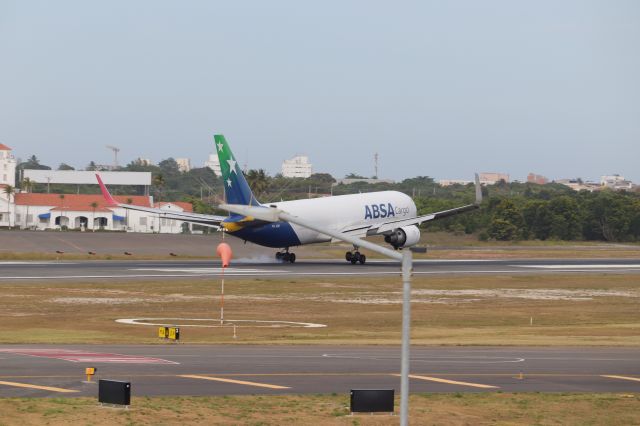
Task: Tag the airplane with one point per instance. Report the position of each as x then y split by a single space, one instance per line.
391 214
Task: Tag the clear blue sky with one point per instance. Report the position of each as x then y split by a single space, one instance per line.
437 88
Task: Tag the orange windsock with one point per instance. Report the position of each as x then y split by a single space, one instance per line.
225 253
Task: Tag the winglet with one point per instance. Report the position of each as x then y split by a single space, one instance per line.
105 192
478 191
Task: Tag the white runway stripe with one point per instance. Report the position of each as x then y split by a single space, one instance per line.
592 266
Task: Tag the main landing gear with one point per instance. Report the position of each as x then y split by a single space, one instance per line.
355 257
286 257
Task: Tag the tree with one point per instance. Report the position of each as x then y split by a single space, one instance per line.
507 222
169 167
27 184
9 191
65 166
94 206
129 201
609 216
565 219
159 183
538 218
354 176
258 181
92 166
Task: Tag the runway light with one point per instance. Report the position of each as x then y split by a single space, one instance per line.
92 253
59 252
127 253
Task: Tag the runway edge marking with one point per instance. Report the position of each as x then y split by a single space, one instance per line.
451 382
633 379
38 387
236 382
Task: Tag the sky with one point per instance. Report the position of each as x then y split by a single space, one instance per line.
436 88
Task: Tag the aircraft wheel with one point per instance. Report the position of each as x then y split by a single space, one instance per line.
292 257
363 259
278 256
355 258
348 255
286 257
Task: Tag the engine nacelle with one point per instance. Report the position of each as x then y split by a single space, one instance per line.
406 236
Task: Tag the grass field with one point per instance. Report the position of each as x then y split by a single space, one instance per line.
597 309
425 409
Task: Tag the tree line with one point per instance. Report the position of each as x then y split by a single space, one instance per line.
510 211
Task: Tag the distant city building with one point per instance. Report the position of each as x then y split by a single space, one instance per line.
184 164
7 166
615 182
142 161
449 182
579 185
539 179
297 167
213 162
490 178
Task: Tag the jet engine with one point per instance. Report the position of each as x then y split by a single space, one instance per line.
406 236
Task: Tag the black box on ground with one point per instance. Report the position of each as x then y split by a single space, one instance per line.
372 400
114 392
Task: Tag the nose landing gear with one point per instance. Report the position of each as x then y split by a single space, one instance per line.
286 257
355 257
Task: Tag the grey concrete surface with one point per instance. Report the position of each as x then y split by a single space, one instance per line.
269 267
245 369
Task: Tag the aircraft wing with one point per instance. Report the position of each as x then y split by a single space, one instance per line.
386 227
200 219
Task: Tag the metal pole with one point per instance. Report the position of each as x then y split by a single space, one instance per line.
222 299
407 267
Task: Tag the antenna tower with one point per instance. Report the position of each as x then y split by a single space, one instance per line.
115 150
375 165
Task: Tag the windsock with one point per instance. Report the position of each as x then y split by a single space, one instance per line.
225 253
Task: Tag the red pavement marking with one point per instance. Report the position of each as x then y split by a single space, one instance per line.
83 356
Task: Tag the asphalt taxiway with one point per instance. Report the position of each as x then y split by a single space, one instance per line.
70 270
46 370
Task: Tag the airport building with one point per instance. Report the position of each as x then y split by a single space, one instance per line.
297 167
88 212
7 179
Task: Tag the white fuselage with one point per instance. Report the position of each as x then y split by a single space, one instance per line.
343 212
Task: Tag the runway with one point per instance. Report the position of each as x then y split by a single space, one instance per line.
44 370
70 270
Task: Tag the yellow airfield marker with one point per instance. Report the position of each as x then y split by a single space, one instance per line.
30 386
633 379
237 382
451 382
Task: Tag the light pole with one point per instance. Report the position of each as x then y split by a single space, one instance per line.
270 214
